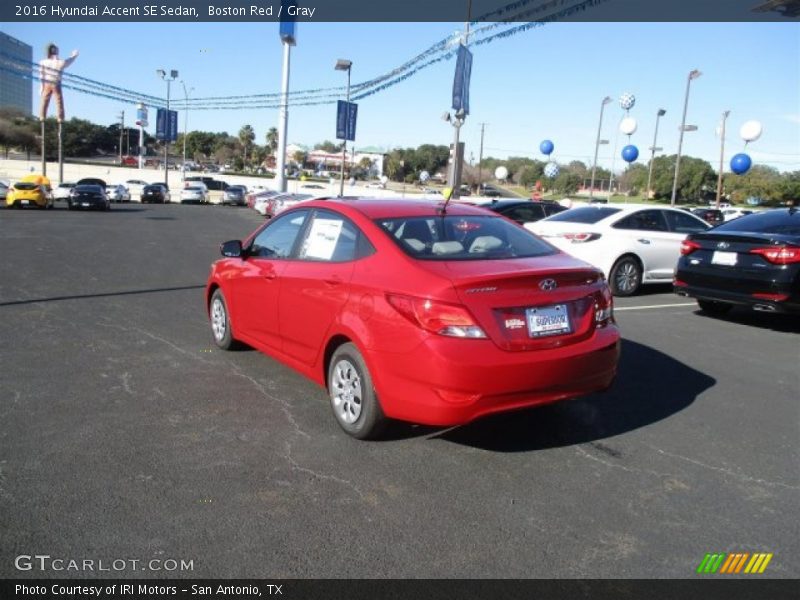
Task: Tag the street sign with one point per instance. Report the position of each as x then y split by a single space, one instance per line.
346 116
461 80
287 25
166 125
141 115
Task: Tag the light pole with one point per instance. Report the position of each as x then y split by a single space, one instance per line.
605 101
653 149
721 157
344 65
185 125
173 75
693 74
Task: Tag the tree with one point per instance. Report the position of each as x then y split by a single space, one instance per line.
246 136
567 182
634 179
300 158
695 178
329 147
272 141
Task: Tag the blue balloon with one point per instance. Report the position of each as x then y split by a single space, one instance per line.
741 163
630 153
546 147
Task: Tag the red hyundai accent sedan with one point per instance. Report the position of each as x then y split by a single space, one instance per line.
419 311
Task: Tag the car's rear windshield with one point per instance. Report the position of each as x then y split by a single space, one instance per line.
584 214
452 237
22 185
194 188
785 222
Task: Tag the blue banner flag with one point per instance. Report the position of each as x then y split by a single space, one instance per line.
461 80
346 117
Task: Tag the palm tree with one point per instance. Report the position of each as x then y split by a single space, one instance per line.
247 136
272 141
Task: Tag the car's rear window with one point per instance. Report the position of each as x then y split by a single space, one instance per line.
584 214
24 186
785 222
452 237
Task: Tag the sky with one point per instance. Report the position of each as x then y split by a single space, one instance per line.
545 83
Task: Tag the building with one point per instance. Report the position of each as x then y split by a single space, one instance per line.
16 66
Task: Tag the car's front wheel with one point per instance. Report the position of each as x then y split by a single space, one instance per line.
221 322
713 307
626 276
353 399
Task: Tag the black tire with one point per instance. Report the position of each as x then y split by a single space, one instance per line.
712 307
353 400
625 278
220 320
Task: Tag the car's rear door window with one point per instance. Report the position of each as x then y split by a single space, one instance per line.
683 222
643 220
331 237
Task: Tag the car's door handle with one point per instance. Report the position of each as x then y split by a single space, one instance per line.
643 241
270 276
334 281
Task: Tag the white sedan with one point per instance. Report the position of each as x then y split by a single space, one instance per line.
633 244
63 190
195 193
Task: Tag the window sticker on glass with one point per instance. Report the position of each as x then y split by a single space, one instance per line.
321 240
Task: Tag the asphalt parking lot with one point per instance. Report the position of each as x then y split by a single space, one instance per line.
124 434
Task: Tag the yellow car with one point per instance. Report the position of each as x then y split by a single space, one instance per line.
30 191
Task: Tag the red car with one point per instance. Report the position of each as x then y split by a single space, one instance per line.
416 311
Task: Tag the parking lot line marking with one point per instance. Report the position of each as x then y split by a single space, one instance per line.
618 308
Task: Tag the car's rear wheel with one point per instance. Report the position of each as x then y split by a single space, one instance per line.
626 276
221 322
353 400
713 307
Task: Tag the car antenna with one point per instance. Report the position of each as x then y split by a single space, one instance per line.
447 193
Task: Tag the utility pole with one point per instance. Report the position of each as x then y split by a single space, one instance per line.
653 149
121 131
693 74
721 156
480 160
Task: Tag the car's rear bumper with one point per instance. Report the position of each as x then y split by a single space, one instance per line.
461 380
782 300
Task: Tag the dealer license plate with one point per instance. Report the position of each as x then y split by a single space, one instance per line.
548 320
26 202
724 258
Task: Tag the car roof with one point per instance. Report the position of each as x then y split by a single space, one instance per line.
378 208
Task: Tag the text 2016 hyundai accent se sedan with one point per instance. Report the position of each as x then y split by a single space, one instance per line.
416 311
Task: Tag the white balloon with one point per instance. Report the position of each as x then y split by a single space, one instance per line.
501 173
628 126
751 131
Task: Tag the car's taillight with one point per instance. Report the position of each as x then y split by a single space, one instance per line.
779 255
604 307
689 246
580 238
441 318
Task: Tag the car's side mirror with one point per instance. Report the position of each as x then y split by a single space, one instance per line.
231 249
